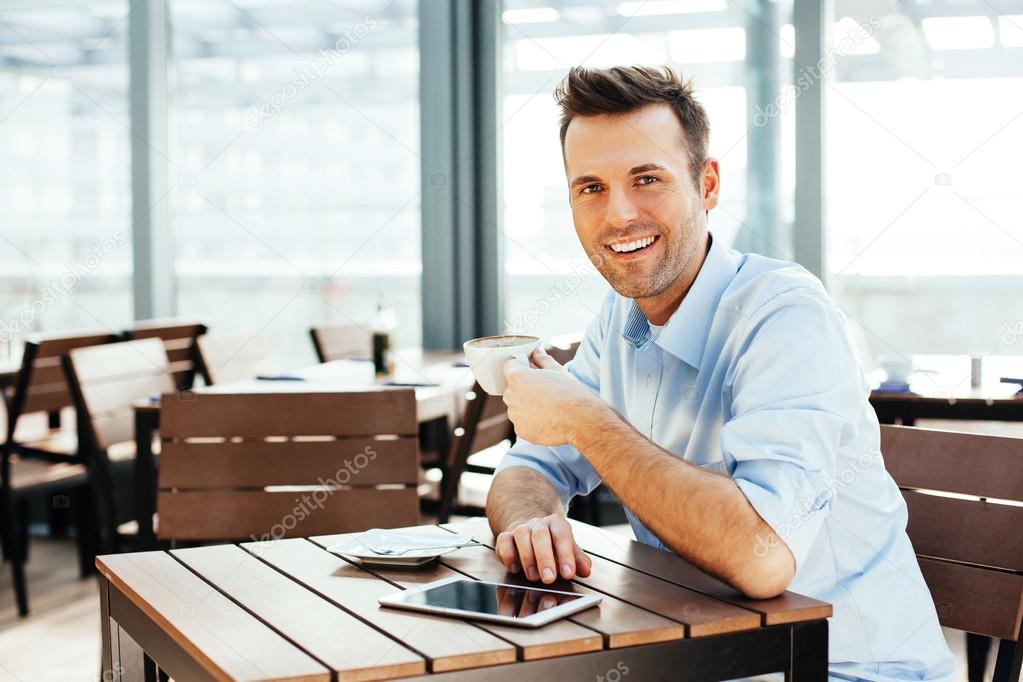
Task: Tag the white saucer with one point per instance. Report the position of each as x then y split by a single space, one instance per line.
353 549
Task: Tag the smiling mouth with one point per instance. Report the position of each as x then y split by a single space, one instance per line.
632 247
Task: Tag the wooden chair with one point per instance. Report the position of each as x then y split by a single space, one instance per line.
21 480
179 339
272 465
42 460
970 549
224 359
41 387
484 426
106 383
340 342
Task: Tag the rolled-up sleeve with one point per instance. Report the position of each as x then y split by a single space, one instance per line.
566 469
796 393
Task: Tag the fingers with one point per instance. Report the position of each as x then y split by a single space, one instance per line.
541 359
564 545
506 601
524 546
543 549
529 603
511 366
583 562
507 553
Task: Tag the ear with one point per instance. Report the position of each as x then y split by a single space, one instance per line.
710 184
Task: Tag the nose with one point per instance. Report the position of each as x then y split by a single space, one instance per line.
620 208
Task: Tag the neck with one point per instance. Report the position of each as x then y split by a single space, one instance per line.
658 309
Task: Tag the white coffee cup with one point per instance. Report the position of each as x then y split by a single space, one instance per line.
487 355
897 367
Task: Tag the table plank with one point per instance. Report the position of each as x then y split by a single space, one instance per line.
560 638
222 637
339 640
620 623
702 615
788 607
447 644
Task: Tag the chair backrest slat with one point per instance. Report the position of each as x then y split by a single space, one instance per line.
968 531
970 549
108 380
338 342
974 599
357 413
287 465
179 337
985 466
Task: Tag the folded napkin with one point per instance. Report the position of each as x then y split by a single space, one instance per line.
396 542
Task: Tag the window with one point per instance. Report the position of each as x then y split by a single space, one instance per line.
65 193
552 288
296 197
923 198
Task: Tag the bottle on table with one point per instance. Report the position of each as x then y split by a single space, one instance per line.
383 338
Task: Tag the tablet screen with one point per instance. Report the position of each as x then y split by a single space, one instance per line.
499 600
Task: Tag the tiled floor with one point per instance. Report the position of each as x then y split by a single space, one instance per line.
59 641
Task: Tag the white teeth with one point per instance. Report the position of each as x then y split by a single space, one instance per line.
633 245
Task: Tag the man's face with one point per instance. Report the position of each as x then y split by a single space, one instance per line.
637 211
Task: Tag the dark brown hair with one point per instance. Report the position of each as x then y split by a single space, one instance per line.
623 89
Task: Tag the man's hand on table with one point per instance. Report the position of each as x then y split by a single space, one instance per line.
542 548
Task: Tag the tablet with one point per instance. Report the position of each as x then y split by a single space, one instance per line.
528 607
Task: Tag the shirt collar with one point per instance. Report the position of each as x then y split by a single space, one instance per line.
685 333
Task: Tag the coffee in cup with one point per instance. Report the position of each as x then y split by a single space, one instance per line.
487 355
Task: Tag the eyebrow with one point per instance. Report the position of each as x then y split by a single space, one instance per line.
585 179
635 170
645 168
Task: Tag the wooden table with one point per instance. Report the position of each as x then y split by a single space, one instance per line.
290 610
942 390
437 408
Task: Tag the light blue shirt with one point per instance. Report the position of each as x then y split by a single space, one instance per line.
755 376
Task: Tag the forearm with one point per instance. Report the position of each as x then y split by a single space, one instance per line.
701 515
518 494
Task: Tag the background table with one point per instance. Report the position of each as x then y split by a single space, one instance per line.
290 610
942 390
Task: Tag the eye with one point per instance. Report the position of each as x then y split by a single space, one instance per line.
646 180
590 189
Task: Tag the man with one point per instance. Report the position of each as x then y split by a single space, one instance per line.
717 394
